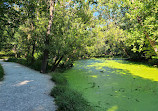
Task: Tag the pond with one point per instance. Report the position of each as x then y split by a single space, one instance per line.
115 85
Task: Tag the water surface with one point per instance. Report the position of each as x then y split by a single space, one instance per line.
115 85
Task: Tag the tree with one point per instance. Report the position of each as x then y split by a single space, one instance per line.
9 21
137 19
144 15
46 50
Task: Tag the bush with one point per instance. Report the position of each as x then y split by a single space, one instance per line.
1 72
153 62
66 98
70 100
35 65
20 61
11 60
7 54
58 90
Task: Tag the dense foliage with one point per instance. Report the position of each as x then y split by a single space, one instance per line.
1 72
55 33
47 34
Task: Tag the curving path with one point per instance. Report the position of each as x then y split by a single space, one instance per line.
24 89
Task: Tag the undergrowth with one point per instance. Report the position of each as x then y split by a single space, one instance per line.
5 55
67 99
35 65
1 73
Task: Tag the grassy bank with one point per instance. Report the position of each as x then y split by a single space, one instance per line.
1 73
66 98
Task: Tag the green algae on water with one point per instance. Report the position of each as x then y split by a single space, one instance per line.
115 85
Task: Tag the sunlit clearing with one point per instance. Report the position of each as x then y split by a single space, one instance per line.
23 83
113 108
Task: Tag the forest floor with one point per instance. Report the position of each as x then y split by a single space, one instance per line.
24 89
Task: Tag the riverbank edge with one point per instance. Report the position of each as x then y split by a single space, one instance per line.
65 98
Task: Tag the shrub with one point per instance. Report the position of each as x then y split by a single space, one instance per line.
70 100
67 99
58 90
35 65
153 61
1 72
6 54
11 60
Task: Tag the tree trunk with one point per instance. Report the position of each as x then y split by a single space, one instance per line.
44 62
56 59
46 51
152 43
33 51
15 51
124 49
56 65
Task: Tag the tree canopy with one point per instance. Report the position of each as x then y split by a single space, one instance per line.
59 32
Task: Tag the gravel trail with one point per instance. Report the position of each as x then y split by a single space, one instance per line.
24 89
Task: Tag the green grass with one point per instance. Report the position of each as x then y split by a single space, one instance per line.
67 99
1 73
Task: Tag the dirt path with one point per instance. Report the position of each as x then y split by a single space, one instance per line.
24 89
